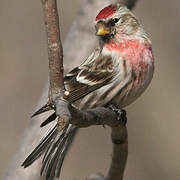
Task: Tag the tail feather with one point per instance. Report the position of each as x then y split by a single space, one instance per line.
51 118
43 109
46 153
41 148
50 153
53 160
55 146
64 151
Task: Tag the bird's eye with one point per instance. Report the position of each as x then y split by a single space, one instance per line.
115 20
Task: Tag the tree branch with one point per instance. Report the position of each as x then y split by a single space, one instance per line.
55 56
55 50
95 116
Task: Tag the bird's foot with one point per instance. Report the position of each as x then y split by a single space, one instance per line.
121 113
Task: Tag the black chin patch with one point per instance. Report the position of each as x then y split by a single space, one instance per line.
107 37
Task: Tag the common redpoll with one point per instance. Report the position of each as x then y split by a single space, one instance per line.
117 72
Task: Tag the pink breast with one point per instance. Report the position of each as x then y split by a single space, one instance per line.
134 52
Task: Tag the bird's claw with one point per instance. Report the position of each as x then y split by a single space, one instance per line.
121 113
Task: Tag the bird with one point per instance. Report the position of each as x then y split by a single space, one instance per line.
117 72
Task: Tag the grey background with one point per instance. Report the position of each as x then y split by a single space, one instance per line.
153 120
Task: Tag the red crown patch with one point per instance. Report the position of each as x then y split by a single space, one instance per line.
106 12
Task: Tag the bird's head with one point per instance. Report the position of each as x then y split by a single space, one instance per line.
117 22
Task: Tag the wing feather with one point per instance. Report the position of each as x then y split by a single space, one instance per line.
88 77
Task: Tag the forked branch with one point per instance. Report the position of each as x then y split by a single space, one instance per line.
70 114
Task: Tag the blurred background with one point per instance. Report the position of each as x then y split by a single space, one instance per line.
153 120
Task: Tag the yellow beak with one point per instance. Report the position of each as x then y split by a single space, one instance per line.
102 31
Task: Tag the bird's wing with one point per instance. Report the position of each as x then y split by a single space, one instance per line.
94 73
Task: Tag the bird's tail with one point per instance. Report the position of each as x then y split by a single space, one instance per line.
55 145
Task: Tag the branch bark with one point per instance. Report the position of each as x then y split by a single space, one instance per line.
55 56
55 50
